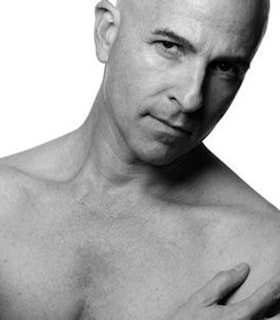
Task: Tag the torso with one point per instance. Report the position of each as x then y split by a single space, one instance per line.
123 258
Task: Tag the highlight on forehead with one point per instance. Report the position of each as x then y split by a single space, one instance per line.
264 6
119 2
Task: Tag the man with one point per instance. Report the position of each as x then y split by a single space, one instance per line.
128 216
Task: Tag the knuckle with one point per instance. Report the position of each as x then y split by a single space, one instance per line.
224 278
222 275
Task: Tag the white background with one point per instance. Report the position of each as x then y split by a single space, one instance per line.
49 77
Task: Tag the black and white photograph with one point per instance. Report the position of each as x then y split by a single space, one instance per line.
139 160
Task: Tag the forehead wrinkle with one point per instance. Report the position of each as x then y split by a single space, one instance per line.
235 17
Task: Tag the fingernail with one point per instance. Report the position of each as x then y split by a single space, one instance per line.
241 267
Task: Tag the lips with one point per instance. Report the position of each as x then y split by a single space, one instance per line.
180 128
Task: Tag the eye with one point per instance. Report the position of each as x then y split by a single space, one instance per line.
168 45
223 66
227 70
169 49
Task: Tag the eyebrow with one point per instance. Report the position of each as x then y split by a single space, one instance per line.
175 37
165 32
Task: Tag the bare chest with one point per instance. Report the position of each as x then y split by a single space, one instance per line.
95 269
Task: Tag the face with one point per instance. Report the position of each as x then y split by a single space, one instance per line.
174 70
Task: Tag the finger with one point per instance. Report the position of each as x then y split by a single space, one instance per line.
221 285
266 296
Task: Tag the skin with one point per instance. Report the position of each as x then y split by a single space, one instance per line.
190 91
130 215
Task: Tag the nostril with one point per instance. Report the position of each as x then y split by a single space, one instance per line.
188 103
175 101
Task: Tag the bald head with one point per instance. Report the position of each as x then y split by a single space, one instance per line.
260 11
168 57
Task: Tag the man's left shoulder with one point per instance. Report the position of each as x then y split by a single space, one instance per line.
258 232
254 238
268 233
261 229
265 226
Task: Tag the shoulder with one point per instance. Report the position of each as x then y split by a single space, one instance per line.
28 207
253 237
262 231
256 231
56 160
12 185
16 191
228 188
15 197
266 242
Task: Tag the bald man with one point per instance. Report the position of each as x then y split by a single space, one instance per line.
129 216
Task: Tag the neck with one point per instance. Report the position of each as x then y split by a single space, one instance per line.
109 163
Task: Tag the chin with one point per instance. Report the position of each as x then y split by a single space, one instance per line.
158 153
159 156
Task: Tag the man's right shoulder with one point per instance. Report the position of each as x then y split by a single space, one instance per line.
58 160
13 190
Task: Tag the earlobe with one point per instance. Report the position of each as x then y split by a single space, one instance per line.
107 22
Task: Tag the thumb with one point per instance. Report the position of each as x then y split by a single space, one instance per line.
223 283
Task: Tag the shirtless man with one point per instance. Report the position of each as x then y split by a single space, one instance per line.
126 217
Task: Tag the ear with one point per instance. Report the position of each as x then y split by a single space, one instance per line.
107 23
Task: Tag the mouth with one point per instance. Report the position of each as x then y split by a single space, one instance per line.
178 128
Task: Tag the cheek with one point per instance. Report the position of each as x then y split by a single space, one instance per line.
131 79
219 95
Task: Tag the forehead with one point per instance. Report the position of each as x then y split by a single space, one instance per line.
215 12
237 21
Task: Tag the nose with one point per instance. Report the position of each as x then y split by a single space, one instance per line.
188 90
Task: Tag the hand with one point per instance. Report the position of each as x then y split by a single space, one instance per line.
203 304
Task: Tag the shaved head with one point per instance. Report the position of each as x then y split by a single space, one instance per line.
263 9
174 57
